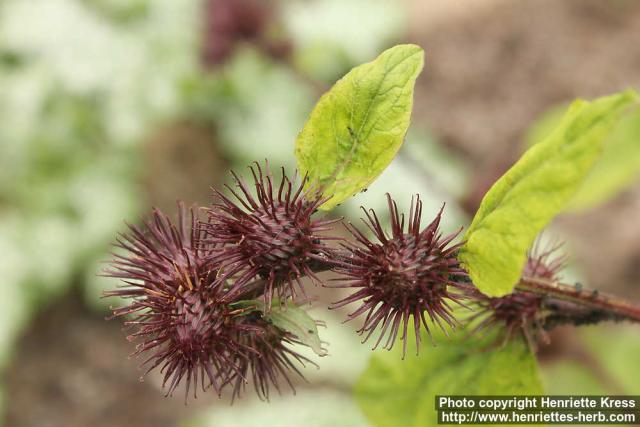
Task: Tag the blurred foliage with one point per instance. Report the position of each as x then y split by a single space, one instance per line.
616 349
227 24
332 36
544 125
396 392
121 11
347 357
257 106
309 408
606 364
82 84
568 377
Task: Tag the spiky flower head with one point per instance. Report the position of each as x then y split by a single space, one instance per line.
412 273
270 234
185 317
520 311
173 307
268 355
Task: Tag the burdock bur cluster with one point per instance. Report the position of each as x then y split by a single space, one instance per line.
202 290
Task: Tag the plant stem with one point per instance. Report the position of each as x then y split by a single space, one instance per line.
614 307
597 306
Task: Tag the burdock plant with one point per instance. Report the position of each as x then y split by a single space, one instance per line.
215 300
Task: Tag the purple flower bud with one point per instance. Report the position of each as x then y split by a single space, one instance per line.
270 235
402 276
521 310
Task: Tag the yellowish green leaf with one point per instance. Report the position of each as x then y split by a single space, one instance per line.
618 167
525 199
358 126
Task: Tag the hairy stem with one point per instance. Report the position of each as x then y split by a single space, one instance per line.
607 306
584 306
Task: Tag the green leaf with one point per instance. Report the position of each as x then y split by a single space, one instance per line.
571 377
394 392
290 318
525 199
545 124
615 349
357 127
616 170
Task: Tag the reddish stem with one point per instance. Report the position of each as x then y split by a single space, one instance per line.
614 308
606 303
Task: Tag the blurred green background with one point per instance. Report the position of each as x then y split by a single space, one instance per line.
109 107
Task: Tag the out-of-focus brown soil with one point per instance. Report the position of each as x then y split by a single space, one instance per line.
72 370
182 161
